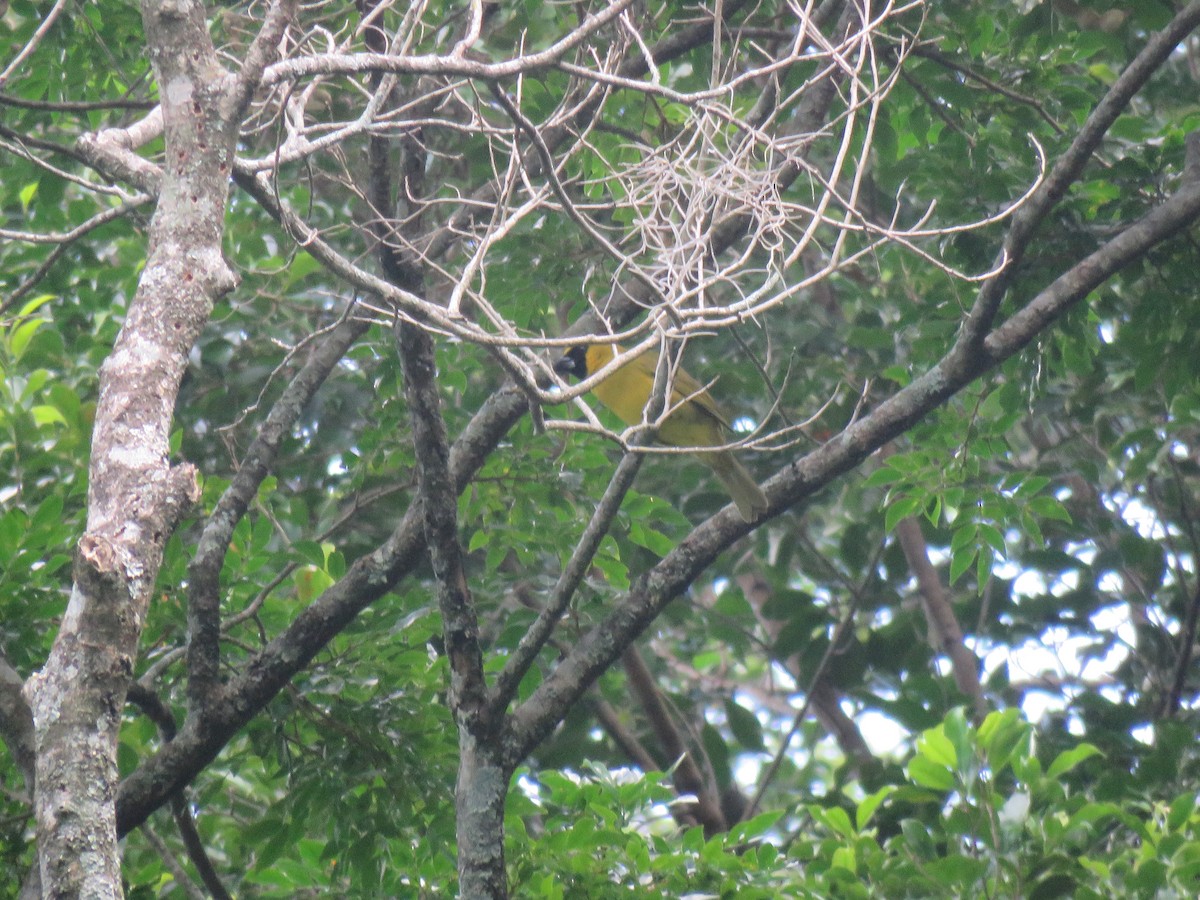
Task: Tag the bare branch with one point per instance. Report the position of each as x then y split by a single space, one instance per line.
262 51
361 63
38 36
84 228
944 631
204 597
16 722
1066 170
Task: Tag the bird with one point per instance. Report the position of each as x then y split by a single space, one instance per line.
695 419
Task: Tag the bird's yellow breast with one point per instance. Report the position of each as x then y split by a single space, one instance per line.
696 420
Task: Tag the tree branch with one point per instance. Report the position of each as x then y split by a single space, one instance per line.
263 50
651 593
413 64
16 722
687 776
204 597
939 614
135 496
1068 167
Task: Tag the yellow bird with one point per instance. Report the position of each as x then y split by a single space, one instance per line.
695 420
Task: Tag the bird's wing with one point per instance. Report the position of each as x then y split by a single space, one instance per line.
686 387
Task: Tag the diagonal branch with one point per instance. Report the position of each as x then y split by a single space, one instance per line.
600 647
539 632
944 629
1068 167
263 50
204 598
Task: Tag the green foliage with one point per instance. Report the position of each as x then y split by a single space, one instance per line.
978 810
1056 497
608 833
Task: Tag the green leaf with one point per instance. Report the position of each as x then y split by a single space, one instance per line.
992 536
937 747
756 827
917 838
49 512
1069 759
902 508
882 476
21 334
311 552
867 806
843 858
1056 884
654 541
1048 508
999 733
744 725
835 819
925 772
983 567
1181 810
47 415
960 561
957 871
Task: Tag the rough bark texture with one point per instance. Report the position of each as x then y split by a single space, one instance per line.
482 776
220 713
479 818
136 496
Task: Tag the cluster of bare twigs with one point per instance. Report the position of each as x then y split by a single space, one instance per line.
727 198
661 209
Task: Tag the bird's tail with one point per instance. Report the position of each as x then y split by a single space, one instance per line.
747 496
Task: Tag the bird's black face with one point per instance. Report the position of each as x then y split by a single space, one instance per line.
573 362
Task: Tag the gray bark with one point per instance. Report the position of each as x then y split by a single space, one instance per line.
136 496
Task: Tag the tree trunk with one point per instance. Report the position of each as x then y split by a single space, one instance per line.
479 798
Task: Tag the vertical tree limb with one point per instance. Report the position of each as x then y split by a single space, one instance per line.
135 495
